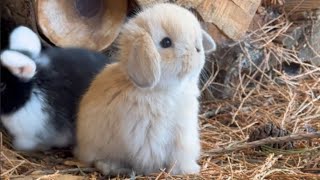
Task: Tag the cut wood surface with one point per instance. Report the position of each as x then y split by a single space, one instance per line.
81 23
189 3
146 3
94 24
233 17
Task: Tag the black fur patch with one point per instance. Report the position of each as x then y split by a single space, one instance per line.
65 80
62 81
14 92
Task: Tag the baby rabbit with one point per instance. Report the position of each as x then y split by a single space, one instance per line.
141 113
40 91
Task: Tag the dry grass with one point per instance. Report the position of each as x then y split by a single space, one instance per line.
267 94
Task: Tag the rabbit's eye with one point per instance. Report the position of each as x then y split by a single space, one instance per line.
198 49
166 42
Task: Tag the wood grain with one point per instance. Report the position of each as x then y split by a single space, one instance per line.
301 5
64 26
233 17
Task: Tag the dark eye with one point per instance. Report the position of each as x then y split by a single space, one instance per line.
198 50
166 42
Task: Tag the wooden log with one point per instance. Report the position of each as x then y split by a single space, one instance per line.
92 24
219 37
294 6
146 3
302 10
189 3
86 19
233 17
15 13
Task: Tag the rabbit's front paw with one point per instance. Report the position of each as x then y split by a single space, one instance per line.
186 168
24 144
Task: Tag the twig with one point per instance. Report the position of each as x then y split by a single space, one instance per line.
64 171
269 140
311 170
12 169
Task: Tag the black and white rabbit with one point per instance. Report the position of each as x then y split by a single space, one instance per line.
40 90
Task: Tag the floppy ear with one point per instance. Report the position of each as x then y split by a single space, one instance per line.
208 43
24 39
144 63
18 64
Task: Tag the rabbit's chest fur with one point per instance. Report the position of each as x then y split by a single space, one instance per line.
153 127
152 131
28 123
140 127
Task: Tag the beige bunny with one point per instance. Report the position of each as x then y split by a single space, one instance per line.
141 113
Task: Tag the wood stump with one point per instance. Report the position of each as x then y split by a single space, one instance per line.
92 24
233 17
14 13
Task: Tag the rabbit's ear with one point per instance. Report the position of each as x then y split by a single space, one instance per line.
208 43
144 63
18 64
24 39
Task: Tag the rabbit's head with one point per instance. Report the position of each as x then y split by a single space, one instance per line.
25 40
163 45
24 45
18 68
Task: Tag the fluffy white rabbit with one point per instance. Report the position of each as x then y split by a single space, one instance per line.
141 113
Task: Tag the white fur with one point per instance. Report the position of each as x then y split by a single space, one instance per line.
29 127
19 64
208 43
24 39
42 60
158 132
27 123
142 112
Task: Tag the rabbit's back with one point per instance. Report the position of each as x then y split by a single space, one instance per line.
63 80
134 124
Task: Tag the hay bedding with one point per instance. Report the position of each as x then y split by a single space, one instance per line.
265 101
